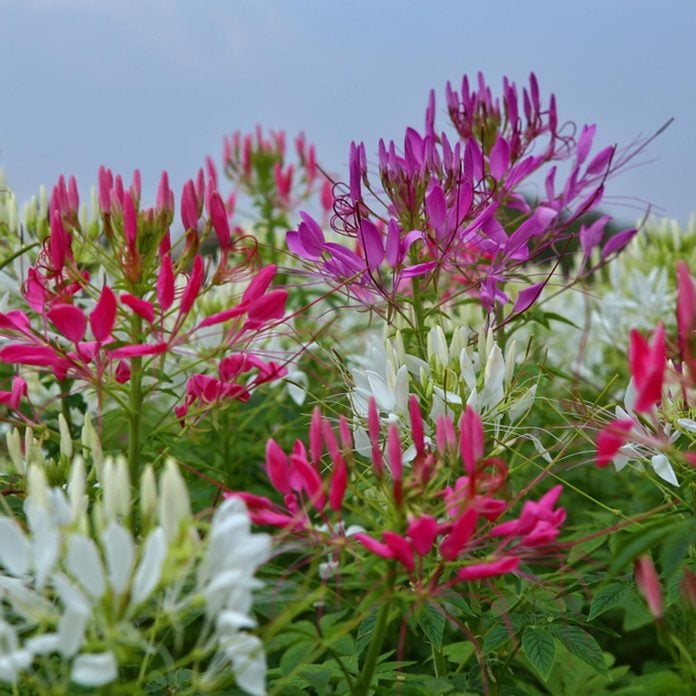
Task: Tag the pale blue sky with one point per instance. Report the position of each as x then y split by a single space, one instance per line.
156 84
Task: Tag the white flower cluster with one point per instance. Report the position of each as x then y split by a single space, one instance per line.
80 589
454 376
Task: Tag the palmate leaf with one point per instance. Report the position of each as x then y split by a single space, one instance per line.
607 598
581 644
539 647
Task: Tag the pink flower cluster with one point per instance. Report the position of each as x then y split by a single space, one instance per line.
428 529
144 305
649 369
259 164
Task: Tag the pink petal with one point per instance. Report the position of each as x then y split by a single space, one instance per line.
141 307
422 532
374 546
69 320
611 439
470 439
103 317
137 350
193 287
478 571
277 467
461 532
165 283
401 548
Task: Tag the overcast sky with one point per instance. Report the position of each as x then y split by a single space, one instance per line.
155 84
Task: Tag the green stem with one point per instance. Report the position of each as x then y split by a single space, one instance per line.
439 662
419 314
362 687
135 405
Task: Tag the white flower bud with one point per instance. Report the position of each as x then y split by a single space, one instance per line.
174 503
66 445
14 447
148 495
76 489
91 446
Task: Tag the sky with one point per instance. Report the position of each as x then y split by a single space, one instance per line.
156 84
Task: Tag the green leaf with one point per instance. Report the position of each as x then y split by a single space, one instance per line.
677 545
585 548
432 622
458 652
632 545
294 657
539 647
559 317
581 644
607 598
498 635
365 632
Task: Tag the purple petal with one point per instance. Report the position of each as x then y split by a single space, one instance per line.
600 162
585 142
591 236
393 244
527 297
371 241
311 239
419 269
617 242
499 159
436 206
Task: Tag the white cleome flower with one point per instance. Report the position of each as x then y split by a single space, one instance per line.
81 591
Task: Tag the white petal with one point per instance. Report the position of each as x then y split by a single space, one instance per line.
119 551
401 390
687 424
663 469
384 397
25 600
94 669
43 644
150 567
230 621
84 563
467 369
71 597
630 396
248 659
71 630
46 550
14 547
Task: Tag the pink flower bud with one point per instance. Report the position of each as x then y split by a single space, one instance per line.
193 287
165 283
105 182
189 207
649 585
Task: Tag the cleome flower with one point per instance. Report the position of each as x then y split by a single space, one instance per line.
102 587
455 209
438 529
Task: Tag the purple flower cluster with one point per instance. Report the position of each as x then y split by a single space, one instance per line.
455 208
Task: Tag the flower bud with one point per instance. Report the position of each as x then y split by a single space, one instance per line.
174 503
148 496
14 448
66 445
